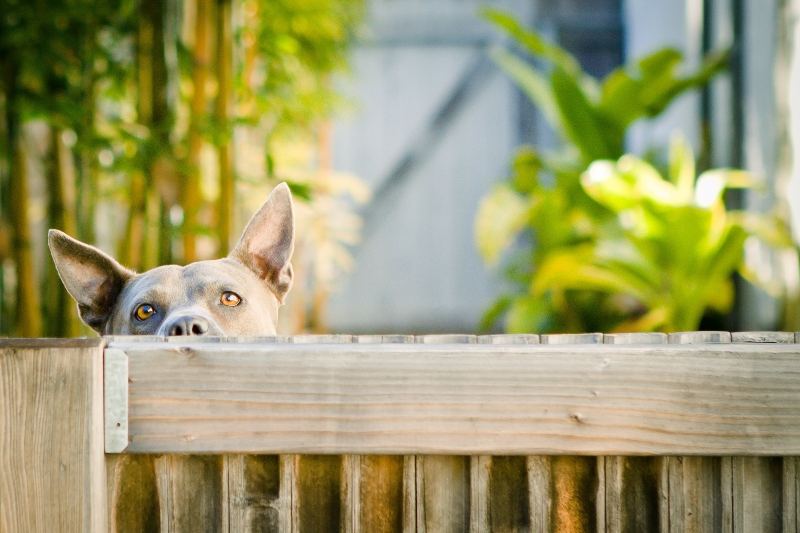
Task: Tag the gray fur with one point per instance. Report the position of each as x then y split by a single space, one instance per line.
258 270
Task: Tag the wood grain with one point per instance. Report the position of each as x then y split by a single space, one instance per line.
52 467
735 399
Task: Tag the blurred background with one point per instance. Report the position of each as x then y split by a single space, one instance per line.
459 166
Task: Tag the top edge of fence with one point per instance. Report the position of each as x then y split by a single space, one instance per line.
682 337
51 342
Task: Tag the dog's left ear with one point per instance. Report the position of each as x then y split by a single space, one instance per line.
267 243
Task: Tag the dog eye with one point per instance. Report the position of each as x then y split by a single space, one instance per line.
231 299
144 311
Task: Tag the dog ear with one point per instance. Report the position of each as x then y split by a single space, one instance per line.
91 277
267 243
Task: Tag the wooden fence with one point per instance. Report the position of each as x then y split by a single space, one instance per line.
608 433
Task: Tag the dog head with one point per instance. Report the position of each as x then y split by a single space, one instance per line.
237 295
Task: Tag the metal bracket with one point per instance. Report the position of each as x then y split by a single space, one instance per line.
115 384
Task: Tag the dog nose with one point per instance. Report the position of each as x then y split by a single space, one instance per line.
188 325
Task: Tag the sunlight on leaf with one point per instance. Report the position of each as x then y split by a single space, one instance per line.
501 216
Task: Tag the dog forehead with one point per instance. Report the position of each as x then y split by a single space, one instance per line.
176 282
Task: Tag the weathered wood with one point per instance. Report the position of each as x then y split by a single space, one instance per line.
380 494
190 488
694 484
782 337
630 495
571 338
320 502
252 484
52 467
754 487
525 399
509 339
791 494
751 486
509 508
540 499
115 408
443 482
480 493
133 497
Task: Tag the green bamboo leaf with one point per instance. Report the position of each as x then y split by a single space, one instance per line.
581 122
532 41
532 83
501 216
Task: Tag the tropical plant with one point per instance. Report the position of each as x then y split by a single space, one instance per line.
542 206
669 252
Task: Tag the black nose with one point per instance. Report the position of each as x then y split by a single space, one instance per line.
188 325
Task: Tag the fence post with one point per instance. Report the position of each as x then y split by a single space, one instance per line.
52 466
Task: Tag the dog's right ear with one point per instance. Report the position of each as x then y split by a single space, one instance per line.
91 277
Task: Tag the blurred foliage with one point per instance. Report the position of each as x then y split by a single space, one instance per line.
615 246
133 127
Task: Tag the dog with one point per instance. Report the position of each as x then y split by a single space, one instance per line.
238 295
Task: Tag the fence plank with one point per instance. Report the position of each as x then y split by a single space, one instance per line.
576 488
191 490
381 485
631 484
133 499
253 492
791 494
754 483
475 399
695 488
52 467
444 487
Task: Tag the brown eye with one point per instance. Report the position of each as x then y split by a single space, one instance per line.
231 299
144 311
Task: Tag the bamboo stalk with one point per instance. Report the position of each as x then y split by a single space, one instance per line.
62 318
29 319
223 115
191 186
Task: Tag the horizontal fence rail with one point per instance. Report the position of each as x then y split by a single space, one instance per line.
447 398
610 433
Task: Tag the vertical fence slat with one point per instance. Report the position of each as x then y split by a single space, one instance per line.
253 492
540 499
479 486
791 492
695 493
631 484
379 496
133 498
755 482
191 489
576 489
323 481
443 481
505 502
52 467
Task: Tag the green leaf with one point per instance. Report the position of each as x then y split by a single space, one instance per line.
578 268
581 122
681 166
493 314
528 314
532 41
620 99
712 183
501 215
531 81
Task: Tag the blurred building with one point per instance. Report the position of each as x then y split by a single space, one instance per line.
435 124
